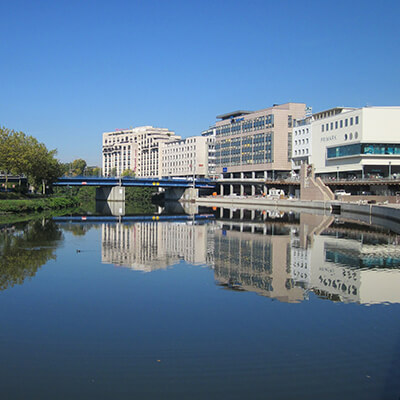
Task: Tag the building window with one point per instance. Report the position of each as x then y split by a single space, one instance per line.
351 121
336 124
343 151
345 122
357 120
322 127
327 127
341 123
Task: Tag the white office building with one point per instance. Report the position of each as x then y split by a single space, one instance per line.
136 150
301 143
356 142
188 157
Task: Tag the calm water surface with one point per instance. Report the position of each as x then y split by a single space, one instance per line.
256 305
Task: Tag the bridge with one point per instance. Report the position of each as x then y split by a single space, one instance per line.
113 188
175 189
134 182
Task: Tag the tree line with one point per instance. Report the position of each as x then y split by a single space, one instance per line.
23 155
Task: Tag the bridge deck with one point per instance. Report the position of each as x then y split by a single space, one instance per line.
132 182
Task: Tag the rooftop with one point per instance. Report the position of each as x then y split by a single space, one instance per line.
233 114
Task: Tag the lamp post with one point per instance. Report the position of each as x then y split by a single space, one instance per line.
337 173
390 170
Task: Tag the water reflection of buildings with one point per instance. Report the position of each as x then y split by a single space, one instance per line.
256 260
286 261
147 246
344 264
284 258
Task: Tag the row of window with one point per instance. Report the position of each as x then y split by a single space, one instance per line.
301 131
330 126
246 126
363 149
300 152
301 141
350 136
246 141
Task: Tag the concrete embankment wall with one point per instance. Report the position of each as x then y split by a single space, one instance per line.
252 202
373 214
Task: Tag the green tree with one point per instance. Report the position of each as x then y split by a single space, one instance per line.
23 154
128 172
93 171
13 152
43 168
113 172
78 166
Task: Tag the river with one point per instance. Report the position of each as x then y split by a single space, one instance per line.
223 305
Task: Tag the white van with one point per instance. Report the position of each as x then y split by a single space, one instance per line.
278 193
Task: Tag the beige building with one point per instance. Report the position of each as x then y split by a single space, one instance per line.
136 150
187 157
256 144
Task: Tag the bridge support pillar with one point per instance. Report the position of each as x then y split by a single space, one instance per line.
110 193
175 194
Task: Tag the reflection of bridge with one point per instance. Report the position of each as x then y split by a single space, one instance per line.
113 189
133 218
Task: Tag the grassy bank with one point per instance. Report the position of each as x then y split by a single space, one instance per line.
23 206
83 200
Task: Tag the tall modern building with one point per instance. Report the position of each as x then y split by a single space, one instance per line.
256 144
136 150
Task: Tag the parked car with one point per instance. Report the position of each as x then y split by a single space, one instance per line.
341 192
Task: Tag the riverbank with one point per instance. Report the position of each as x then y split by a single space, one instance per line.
387 215
22 206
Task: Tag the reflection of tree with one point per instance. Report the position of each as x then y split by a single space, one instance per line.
25 250
77 229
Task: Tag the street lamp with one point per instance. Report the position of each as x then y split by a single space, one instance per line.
337 173
390 169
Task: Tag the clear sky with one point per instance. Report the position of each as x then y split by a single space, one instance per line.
70 70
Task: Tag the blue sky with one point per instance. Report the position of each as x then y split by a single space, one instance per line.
71 70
